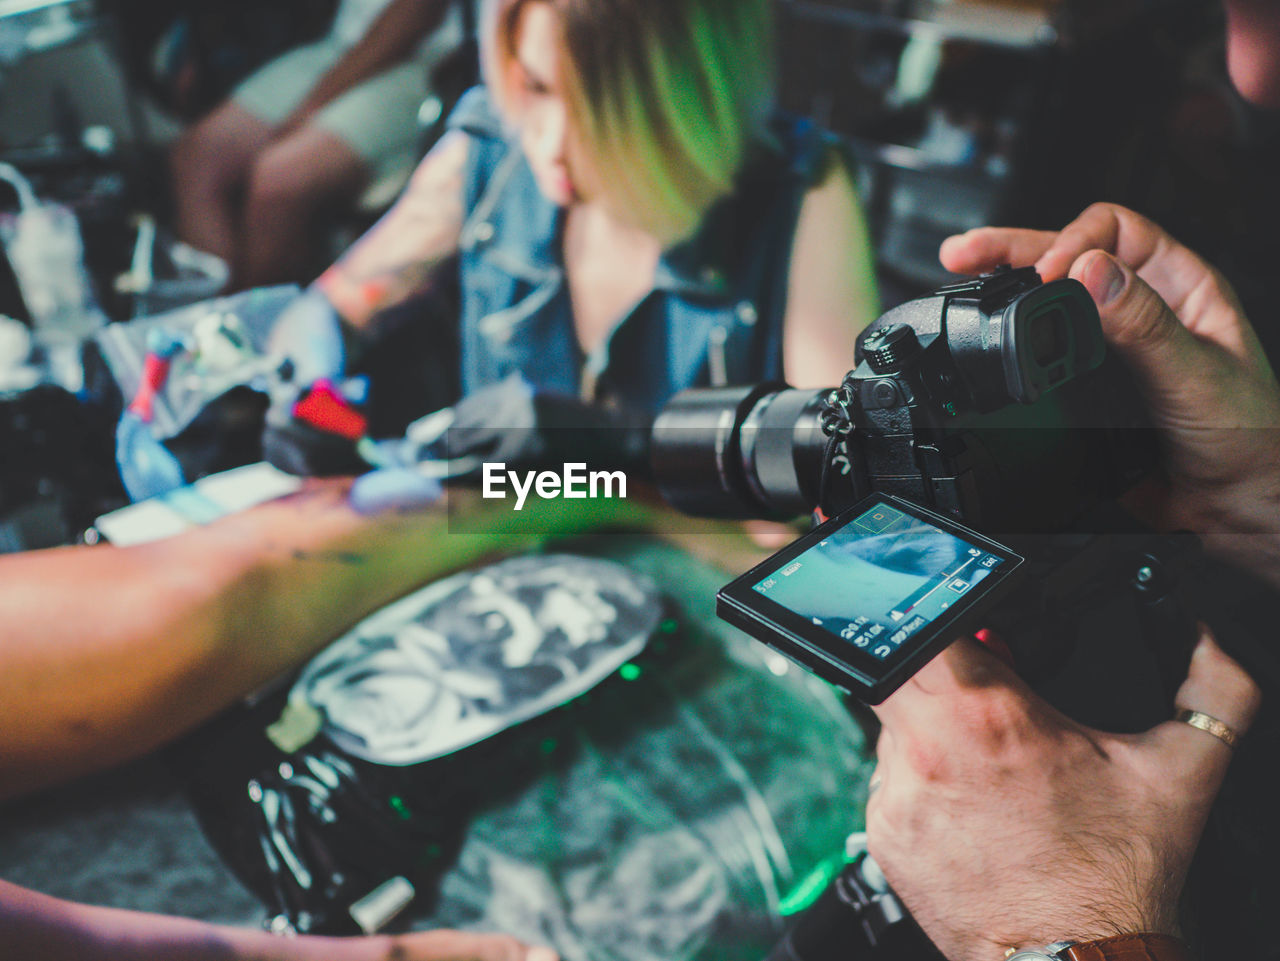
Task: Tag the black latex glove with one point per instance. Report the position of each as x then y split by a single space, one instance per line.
514 423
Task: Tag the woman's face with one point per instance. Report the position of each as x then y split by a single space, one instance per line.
542 113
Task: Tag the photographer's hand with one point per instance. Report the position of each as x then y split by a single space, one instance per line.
1203 373
1001 823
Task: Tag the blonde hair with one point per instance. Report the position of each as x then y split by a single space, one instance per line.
664 97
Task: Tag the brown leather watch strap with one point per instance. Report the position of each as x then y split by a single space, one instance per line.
1129 947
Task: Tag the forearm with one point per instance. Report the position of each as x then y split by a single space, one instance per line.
831 285
112 651
34 927
398 255
391 38
1252 542
109 652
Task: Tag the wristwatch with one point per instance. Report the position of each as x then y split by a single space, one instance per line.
1124 947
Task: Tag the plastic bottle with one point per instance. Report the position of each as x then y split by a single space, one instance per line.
42 242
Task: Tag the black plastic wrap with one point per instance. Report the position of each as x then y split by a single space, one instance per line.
667 813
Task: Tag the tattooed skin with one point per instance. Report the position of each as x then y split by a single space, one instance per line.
395 259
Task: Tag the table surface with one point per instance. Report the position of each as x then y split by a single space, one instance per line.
128 838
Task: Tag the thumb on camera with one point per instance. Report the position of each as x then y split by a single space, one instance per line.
1136 321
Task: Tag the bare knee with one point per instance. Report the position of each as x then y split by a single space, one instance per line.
288 181
276 188
216 153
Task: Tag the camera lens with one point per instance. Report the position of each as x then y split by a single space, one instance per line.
740 451
696 454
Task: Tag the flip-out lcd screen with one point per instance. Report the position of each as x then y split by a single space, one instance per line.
882 584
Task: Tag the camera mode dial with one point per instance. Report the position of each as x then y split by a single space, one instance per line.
890 348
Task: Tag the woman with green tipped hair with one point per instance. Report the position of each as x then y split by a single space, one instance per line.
630 213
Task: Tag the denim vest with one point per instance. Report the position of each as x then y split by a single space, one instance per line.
714 315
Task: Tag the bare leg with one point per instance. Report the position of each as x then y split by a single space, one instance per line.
210 164
292 182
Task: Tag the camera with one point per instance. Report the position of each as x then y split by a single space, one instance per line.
972 456
992 401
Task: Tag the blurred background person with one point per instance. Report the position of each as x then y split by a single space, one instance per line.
628 214
308 132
